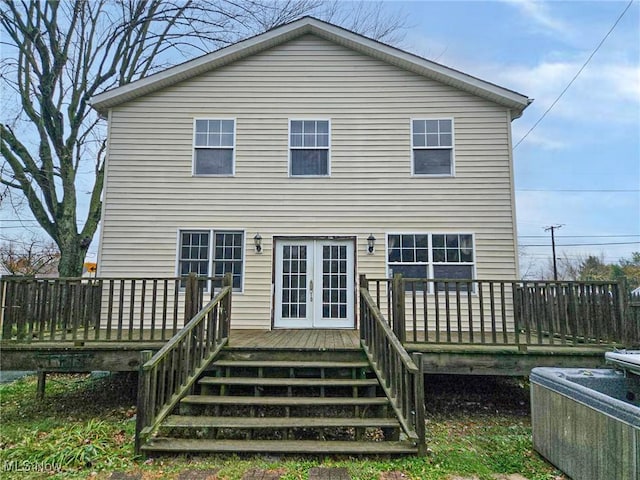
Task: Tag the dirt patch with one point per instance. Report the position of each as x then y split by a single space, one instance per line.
125 476
450 396
395 475
199 475
260 474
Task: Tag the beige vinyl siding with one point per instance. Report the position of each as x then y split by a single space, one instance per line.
150 192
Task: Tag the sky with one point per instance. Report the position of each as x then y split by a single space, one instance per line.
580 166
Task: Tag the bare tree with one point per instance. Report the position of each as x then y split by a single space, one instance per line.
58 54
30 258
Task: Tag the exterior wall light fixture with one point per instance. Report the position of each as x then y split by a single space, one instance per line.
371 244
257 240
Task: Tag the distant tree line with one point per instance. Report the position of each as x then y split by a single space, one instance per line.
590 267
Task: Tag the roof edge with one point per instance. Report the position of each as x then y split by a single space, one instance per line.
278 35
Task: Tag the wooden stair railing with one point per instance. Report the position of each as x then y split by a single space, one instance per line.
401 376
168 376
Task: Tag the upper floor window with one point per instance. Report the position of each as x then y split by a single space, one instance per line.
214 146
432 143
309 148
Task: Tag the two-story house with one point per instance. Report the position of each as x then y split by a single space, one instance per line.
300 158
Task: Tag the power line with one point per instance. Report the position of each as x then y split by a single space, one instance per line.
578 190
576 75
583 244
580 236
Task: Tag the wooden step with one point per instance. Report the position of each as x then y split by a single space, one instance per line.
282 401
190 421
179 446
288 364
289 382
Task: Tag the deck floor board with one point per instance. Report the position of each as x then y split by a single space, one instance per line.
304 339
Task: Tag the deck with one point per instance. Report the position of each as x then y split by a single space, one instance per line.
449 358
472 327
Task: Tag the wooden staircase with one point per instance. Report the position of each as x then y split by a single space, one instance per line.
284 402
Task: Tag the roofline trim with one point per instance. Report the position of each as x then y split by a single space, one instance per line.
278 35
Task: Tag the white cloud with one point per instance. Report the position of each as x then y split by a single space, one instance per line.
605 91
539 12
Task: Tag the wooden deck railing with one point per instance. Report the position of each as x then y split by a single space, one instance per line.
571 312
167 376
632 322
100 309
498 312
401 377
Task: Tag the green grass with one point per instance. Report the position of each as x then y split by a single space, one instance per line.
85 426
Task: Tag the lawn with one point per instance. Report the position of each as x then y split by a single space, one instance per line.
476 426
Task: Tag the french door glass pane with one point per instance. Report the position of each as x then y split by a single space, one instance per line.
334 281
294 281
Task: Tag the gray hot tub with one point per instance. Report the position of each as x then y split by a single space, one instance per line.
587 422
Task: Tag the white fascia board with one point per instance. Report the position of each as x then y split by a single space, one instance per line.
333 33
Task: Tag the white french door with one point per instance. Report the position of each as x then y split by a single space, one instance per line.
314 284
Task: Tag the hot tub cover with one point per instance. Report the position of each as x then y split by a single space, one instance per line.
628 360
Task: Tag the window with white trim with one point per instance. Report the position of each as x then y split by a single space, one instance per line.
309 148
432 143
421 255
194 254
409 255
228 251
214 146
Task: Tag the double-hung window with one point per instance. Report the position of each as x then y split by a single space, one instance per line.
217 251
408 254
309 148
420 255
228 251
214 145
193 256
452 256
432 143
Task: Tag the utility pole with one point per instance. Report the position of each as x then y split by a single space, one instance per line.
553 248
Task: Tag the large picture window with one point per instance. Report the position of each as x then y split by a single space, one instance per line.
421 255
309 148
214 146
432 143
197 254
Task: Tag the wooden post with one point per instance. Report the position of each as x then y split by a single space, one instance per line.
364 283
143 396
397 294
419 404
7 292
42 380
190 297
623 320
226 320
